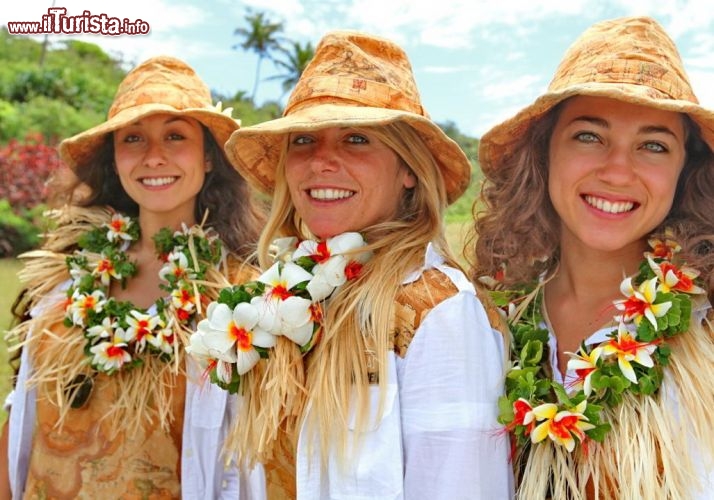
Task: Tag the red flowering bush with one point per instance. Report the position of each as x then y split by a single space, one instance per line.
25 167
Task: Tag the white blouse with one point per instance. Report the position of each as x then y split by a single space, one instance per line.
438 437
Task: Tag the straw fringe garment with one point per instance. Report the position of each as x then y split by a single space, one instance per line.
146 394
646 455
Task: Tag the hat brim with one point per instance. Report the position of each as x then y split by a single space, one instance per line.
498 144
255 150
78 150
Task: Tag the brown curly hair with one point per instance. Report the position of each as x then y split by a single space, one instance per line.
516 230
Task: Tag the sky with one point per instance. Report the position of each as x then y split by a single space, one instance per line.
476 62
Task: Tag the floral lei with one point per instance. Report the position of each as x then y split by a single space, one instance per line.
657 307
119 334
287 299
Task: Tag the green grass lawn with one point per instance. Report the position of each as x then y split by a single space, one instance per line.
457 234
9 288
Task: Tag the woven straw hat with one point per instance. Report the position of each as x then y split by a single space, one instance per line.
158 85
354 80
630 59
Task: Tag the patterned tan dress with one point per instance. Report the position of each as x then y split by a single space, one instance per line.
87 458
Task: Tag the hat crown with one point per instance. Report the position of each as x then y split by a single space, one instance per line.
164 80
355 69
633 50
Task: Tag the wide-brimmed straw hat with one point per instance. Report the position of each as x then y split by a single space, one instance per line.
159 85
630 59
354 80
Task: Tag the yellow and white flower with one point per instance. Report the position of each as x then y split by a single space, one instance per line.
584 365
640 302
105 330
110 355
141 328
105 271
81 303
627 349
562 427
177 266
672 278
332 260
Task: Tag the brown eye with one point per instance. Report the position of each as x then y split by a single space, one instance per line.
129 138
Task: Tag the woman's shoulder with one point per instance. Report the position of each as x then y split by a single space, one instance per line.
414 300
431 288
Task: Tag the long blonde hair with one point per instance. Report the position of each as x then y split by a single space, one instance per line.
358 320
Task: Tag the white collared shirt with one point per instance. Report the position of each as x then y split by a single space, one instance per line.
438 437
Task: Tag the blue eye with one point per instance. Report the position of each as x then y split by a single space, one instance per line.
586 137
357 139
301 139
655 147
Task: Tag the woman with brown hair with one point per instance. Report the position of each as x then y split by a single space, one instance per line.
156 222
608 175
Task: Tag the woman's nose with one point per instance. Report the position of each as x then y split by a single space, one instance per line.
154 156
324 158
617 167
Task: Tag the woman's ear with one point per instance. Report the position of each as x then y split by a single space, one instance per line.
409 181
208 164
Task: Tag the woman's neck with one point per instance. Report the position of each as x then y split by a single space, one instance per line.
585 271
579 297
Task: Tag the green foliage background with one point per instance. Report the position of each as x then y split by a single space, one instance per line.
70 89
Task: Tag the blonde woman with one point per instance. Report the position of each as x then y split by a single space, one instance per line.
608 175
397 399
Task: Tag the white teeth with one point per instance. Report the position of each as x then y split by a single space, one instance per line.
612 207
158 181
330 194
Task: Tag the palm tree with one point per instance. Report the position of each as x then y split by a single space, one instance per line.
261 37
294 64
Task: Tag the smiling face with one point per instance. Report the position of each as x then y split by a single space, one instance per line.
613 171
342 179
161 164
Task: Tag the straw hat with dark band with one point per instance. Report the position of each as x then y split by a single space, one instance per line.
628 59
158 85
354 80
